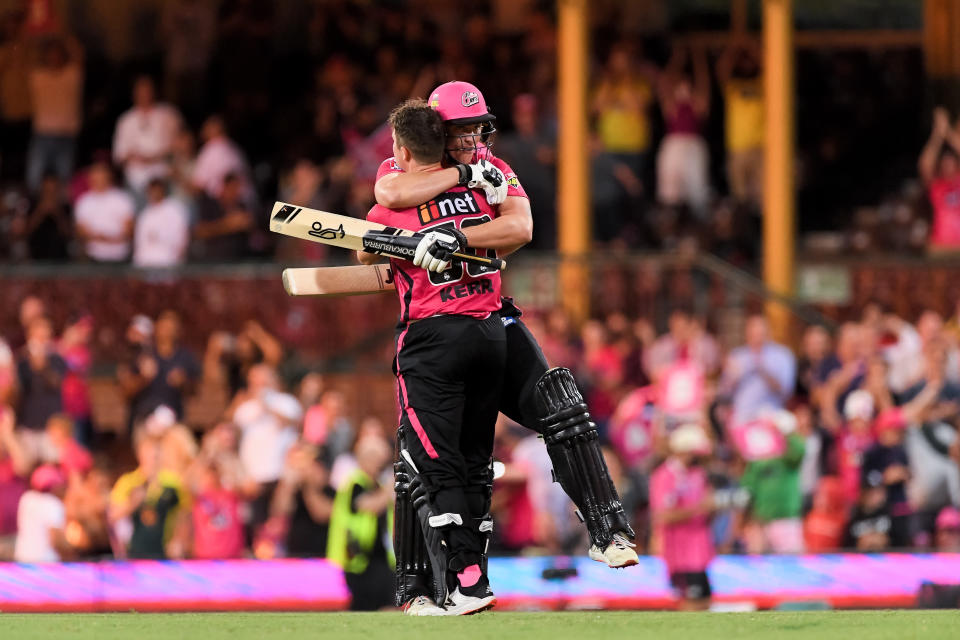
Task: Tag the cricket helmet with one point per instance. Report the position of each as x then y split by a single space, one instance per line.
460 103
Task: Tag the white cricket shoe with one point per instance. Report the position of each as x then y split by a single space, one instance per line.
618 554
423 606
459 604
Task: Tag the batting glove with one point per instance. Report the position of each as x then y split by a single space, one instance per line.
483 175
435 247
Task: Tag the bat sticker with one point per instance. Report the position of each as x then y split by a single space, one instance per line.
287 213
317 231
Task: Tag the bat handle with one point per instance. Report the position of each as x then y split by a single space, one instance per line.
494 263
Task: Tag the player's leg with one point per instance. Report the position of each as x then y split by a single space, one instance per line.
583 473
483 376
573 444
525 364
415 588
429 368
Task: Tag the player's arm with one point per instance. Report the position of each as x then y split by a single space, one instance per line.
365 257
506 233
374 215
401 190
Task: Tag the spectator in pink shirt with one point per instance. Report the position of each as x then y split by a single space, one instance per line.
685 340
217 524
219 157
74 348
681 501
602 373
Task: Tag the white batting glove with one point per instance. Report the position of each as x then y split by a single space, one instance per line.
483 175
433 251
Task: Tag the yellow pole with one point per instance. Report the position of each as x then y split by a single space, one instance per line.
573 186
779 228
941 29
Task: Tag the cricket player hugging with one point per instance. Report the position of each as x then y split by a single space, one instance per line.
438 204
449 364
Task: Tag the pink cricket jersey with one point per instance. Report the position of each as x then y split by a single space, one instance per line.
686 546
463 289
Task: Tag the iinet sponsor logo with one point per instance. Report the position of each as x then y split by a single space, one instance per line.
448 204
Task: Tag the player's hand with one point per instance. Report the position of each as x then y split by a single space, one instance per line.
433 252
484 175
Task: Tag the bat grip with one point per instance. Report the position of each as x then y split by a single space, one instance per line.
494 263
411 242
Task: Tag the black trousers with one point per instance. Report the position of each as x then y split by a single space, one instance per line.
450 373
525 365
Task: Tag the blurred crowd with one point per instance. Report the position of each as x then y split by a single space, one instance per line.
849 442
259 481
226 106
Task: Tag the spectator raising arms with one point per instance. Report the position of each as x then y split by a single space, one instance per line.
56 90
741 79
621 103
940 172
683 161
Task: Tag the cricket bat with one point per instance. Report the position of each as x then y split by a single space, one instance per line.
356 234
333 282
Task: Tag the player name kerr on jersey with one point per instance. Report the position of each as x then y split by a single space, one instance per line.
463 289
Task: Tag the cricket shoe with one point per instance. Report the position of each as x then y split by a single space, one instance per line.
460 604
618 554
423 606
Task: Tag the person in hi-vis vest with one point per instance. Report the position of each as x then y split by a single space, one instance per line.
361 528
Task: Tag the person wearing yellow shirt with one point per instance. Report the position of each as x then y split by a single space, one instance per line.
621 105
145 504
741 80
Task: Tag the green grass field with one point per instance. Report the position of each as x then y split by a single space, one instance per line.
606 625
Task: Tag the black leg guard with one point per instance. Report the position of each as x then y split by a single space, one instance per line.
420 542
480 501
578 464
414 575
